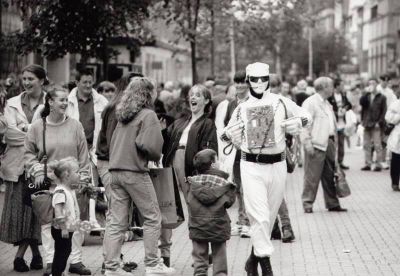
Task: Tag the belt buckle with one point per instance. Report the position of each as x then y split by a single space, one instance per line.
257 156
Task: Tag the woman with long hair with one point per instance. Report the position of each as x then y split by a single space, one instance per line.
65 137
18 223
136 140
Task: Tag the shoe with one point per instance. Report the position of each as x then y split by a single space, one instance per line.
366 168
396 188
287 234
79 269
159 269
276 232
166 261
117 272
128 266
20 265
337 209
344 167
308 210
236 229
245 233
47 272
265 264
377 169
37 263
251 264
385 166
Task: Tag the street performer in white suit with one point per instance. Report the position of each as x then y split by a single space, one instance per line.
258 127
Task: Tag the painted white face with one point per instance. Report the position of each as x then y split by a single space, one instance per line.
259 84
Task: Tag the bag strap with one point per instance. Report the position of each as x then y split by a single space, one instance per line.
44 158
284 106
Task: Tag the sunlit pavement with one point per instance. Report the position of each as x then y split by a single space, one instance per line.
363 241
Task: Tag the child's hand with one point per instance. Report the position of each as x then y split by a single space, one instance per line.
64 234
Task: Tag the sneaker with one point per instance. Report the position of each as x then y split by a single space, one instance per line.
117 272
159 269
377 169
384 166
287 234
366 168
236 229
79 268
245 233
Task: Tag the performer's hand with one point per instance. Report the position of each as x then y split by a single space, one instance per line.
234 133
292 126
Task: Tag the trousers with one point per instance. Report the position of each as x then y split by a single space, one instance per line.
126 187
320 167
62 248
373 138
48 245
200 258
263 191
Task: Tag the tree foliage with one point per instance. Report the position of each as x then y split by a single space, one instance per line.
57 27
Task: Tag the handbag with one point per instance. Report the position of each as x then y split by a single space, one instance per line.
42 205
342 187
291 157
168 197
387 129
31 188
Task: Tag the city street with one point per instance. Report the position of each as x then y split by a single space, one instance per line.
363 241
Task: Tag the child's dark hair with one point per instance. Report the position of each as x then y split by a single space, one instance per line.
203 160
51 93
57 167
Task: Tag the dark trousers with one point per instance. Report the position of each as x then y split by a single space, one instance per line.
242 219
62 249
200 258
320 167
341 139
395 169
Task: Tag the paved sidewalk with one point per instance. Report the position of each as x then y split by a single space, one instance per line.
363 241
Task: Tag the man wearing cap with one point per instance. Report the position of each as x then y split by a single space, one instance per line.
258 128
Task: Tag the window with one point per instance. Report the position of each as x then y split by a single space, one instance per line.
374 12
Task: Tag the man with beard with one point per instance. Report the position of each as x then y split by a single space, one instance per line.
258 127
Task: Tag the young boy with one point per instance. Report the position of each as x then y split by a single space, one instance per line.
210 194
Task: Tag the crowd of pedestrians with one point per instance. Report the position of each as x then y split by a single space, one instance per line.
224 143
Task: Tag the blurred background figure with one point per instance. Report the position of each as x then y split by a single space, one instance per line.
107 89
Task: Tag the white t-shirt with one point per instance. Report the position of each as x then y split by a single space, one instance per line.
185 134
71 207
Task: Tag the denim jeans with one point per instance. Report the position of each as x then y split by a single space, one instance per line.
126 187
373 137
242 216
200 258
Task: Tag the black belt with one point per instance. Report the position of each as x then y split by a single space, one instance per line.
181 147
263 158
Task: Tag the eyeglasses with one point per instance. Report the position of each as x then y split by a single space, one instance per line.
256 79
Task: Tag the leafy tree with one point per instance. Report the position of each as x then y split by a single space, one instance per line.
56 27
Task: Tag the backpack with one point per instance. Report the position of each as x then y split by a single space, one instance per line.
42 205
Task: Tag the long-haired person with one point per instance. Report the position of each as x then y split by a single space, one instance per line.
136 140
65 137
182 140
18 223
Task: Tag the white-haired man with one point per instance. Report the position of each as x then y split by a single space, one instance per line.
258 128
320 148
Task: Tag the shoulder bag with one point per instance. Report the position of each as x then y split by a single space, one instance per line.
290 147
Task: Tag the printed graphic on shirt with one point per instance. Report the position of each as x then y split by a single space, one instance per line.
260 127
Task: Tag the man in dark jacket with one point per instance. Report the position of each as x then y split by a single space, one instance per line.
340 105
210 195
373 112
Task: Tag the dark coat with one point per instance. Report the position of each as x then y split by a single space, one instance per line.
108 125
373 113
202 135
346 104
210 194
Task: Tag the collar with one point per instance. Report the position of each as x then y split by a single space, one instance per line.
25 99
319 97
90 98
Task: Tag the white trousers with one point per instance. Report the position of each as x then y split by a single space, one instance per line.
263 192
48 245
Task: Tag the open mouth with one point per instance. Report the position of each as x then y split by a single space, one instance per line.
192 103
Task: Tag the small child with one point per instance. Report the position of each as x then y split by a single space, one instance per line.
210 194
66 210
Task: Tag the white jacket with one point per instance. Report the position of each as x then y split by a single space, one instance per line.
100 103
393 117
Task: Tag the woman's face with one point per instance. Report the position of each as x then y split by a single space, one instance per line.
108 92
31 82
197 101
59 104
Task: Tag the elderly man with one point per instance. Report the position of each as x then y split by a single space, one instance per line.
258 126
320 148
